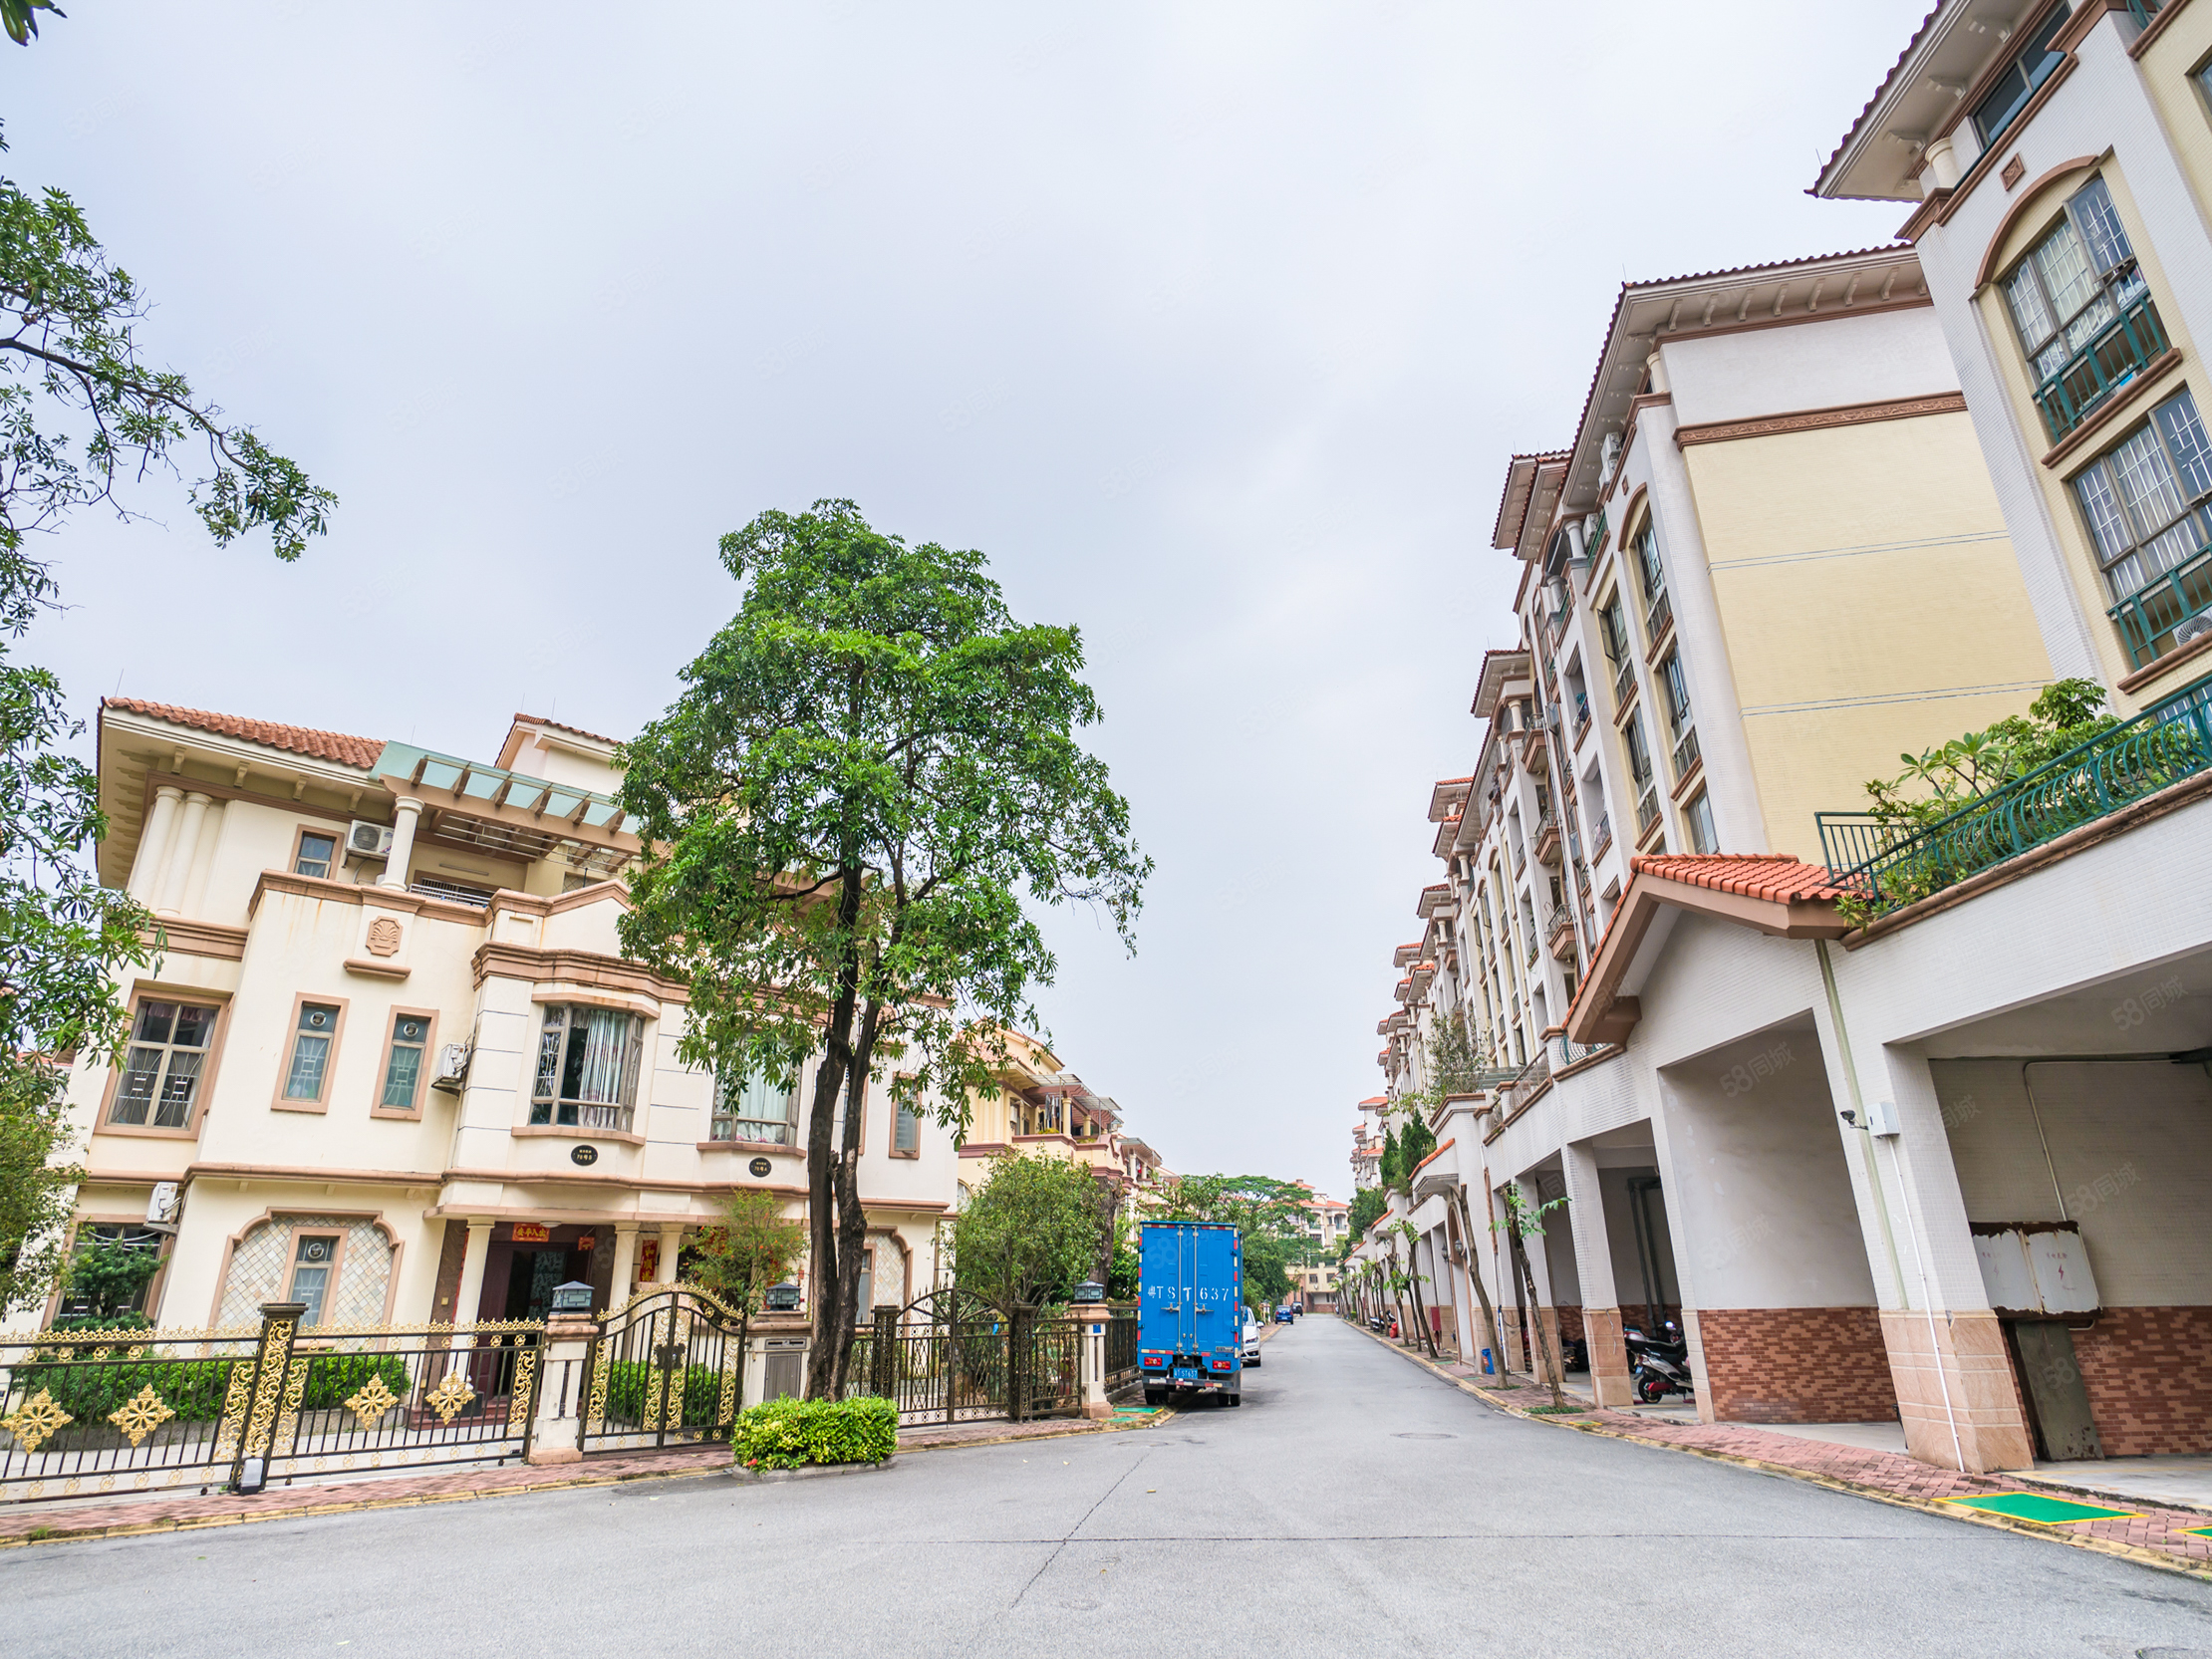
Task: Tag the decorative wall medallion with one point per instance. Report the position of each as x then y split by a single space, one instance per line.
2013 171
761 1166
384 937
583 1154
450 1396
145 1412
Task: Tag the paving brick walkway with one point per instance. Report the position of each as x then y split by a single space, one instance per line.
88 1518
2158 1536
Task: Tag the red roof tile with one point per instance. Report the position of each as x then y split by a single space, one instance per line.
1880 92
293 739
574 731
1433 1155
1754 876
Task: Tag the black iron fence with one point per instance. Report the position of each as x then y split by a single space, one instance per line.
104 1410
665 1370
1122 1371
974 1369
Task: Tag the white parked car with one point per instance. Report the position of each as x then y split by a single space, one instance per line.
1251 1340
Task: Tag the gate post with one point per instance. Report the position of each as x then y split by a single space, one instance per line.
1021 1342
272 1361
1093 1366
883 1355
556 1434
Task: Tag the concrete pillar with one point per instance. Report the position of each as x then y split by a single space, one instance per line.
203 860
562 1384
471 1290
177 863
1594 1263
1947 1353
405 813
1093 1345
153 844
625 1262
672 1246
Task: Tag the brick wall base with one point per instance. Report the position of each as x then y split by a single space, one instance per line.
2148 1371
1797 1365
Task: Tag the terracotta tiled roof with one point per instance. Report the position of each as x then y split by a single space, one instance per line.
293 739
1754 876
1433 1155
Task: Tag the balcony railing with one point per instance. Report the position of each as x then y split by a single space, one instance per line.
1895 863
1624 683
1558 935
1685 754
1602 835
2143 11
1658 616
1581 713
2115 355
1548 838
1647 810
2147 619
1596 537
614 1119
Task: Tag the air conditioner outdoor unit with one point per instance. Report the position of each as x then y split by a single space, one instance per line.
1608 452
452 1067
2194 629
369 839
163 1205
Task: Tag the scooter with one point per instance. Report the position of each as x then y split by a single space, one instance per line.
1658 1367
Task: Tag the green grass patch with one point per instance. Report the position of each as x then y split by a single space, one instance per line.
2037 1506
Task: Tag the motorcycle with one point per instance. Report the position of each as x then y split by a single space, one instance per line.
1659 1366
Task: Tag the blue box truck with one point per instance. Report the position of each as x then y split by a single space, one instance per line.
1191 1321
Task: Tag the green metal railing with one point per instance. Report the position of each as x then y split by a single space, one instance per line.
1896 863
2148 617
2115 355
2144 10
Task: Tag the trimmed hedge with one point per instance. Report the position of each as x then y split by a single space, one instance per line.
694 1399
783 1434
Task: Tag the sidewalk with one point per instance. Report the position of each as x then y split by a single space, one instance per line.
2152 1536
92 1518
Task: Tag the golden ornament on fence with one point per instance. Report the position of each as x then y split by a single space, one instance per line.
34 1420
447 1398
369 1405
141 1414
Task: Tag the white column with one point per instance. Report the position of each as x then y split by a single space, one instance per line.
471 1290
625 1262
154 843
405 814
672 1243
204 859
177 864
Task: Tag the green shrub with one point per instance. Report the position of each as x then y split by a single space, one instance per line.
628 1382
332 1379
192 1388
783 1434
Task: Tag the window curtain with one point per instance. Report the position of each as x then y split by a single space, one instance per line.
607 1077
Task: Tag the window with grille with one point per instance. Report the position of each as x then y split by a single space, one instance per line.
315 1033
163 1066
2148 501
752 1108
1698 815
2082 310
587 1065
403 1067
905 1131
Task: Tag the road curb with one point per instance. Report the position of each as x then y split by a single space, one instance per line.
1158 1414
1977 1518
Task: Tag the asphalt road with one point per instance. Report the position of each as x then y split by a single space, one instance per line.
1354 1506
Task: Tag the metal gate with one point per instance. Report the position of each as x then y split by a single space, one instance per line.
665 1370
946 1358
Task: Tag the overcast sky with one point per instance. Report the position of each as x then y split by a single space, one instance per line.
1212 325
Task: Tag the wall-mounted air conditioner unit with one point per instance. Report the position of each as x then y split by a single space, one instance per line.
1608 452
452 1067
2193 630
368 838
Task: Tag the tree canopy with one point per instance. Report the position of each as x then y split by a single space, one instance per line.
1032 1232
872 774
1270 1213
82 413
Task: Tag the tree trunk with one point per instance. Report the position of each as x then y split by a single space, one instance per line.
833 1330
1474 1278
852 1219
1420 1313
1546 1372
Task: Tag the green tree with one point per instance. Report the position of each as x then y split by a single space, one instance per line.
81 412
1125 1270
1393 1168
872 773
1267 1213
753 1247
1367 1208
1413 1146
20 18
1030 1233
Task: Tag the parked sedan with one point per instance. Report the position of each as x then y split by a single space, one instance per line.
1251 1340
